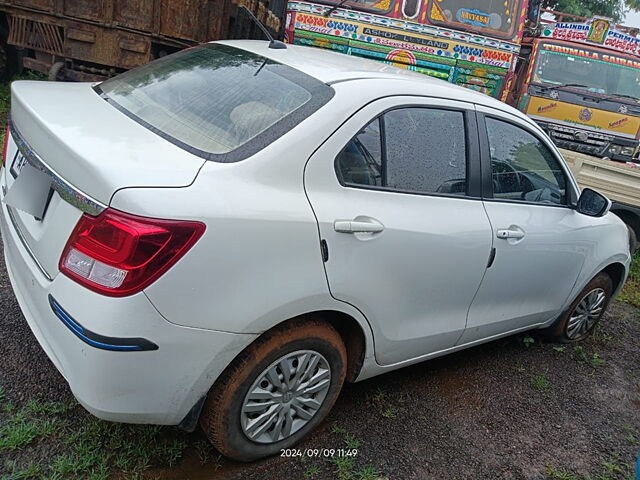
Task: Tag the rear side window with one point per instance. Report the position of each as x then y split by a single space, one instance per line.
219 102
413 150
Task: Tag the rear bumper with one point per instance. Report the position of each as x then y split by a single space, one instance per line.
153 386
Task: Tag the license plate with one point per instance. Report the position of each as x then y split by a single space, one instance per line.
17 165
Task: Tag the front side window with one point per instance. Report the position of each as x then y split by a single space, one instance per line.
497 17
523 168
413 150
214 99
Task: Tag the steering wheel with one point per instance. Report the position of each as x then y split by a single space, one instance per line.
506 179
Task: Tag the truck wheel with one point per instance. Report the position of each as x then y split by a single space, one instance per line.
276 391
585 312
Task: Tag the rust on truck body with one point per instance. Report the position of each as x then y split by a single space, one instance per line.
99 38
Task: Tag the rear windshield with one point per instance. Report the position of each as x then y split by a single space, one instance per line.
217 101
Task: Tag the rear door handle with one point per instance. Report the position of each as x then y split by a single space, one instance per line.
358 226
510 233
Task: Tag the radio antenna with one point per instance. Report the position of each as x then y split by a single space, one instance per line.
273 43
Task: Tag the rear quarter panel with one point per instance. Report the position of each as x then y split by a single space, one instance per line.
259 262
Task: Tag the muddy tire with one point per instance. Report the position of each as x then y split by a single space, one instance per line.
584 313
277 391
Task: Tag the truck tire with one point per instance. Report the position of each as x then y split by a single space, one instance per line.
276 391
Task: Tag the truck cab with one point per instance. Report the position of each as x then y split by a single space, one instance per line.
581 82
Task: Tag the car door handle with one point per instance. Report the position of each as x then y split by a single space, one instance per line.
508 233
358 226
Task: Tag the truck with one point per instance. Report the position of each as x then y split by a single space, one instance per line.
579 79
474 44
92 40
618 181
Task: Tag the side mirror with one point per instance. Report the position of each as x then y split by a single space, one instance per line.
593 204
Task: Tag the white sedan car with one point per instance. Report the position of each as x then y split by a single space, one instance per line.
228 234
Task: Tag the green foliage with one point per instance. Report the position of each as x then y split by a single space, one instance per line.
344 467
578 350
589 8
631 292
528 341
541 383
312 472
597 360
352 442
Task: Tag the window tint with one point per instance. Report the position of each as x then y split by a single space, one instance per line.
214 98
523 168
424 152
361 160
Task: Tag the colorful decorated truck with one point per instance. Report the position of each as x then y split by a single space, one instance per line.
580 81
469 43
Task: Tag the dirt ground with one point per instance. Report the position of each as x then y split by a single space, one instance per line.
511 409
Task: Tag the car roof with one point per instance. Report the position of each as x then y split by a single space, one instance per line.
333 67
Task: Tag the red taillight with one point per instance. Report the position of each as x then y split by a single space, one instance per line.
119 254
4 147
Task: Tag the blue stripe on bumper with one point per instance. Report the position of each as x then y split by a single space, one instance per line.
100 341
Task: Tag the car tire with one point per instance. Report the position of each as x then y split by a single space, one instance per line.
582 316
232 413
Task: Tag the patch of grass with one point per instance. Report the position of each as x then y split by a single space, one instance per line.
344 467
47 408
367 473
312 472
390 412
631 291
552 472
337 429
579 352
352 442
528 341
207 454
19 432
95 451
379 395
33 471
541 383
597 360
559 349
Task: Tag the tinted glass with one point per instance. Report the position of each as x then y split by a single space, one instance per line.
361 161
425 152
213 98
524 169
